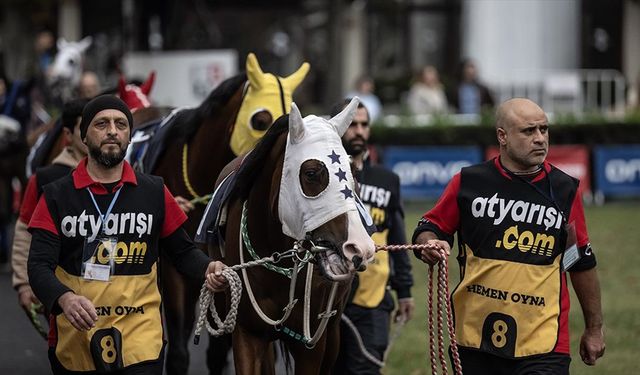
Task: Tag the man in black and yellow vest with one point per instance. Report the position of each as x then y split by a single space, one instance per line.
521 227
368 312
96 240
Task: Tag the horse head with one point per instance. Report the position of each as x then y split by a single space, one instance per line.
66 68
266 98
136 97
316 200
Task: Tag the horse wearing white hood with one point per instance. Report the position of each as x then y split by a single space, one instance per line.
294 199
63 76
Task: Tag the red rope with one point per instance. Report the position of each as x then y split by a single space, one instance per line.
443 309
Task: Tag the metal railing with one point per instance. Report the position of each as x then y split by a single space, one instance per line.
571 91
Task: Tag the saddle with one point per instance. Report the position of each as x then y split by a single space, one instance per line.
148 142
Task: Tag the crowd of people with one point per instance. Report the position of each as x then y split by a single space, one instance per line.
427 95
58 269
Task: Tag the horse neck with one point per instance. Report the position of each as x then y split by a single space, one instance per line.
262 203
209 150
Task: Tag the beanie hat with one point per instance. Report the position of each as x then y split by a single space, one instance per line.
101 103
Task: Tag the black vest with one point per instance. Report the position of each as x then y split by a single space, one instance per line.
511 239
136 220
50 173
129 326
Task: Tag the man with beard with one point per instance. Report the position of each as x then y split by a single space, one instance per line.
95 252
368 312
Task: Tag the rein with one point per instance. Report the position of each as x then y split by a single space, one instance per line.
207 297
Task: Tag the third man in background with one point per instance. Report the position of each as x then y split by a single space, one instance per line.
371 303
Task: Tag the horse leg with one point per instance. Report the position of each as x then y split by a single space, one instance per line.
252 355
321 359
179 309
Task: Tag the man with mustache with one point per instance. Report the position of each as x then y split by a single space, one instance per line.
97 238
369 309
521 227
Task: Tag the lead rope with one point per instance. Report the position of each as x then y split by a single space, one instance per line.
443 309
206 301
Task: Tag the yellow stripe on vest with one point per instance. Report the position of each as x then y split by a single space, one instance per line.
373 281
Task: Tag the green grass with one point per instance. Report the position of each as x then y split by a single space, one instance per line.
615 235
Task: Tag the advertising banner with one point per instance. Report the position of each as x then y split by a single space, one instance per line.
425 171
183 78
617 170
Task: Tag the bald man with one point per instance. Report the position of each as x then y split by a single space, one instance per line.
521 228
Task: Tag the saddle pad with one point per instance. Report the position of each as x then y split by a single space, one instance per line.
210 228
148 142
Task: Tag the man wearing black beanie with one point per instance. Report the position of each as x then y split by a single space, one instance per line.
93 261
101 103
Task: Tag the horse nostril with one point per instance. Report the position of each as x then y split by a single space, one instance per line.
358 263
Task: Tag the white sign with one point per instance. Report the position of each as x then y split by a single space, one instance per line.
183 78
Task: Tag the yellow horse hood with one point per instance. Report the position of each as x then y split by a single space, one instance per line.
266 94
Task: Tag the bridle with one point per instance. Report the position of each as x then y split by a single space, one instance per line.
301 255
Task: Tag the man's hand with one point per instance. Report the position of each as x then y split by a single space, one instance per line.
214 278
405 310
78 310
184 204
592 345
26 298
436 250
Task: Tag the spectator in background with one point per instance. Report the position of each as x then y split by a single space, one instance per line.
426 95
364 89
470 96
89 86
14 114
44 47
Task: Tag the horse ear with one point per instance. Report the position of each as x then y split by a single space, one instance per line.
85 43
296 125
62 43
148 84
121 86
254 72
294 80
342 120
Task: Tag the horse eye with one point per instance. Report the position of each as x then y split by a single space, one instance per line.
72 62
314 177
261 120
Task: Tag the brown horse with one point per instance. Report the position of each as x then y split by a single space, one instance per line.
204 139
295 190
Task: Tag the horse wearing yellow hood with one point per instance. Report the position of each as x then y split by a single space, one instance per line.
228 123
267 97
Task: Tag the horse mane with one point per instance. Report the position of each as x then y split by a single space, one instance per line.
190 120
256 159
